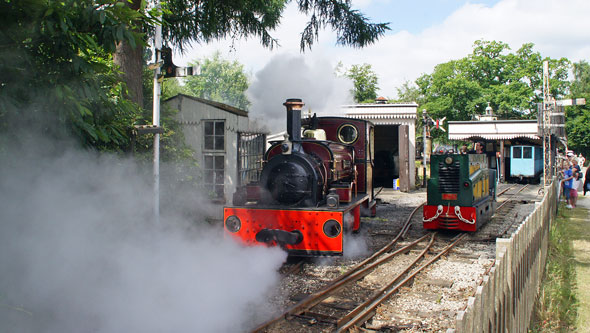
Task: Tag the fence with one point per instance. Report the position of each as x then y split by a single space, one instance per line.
504 301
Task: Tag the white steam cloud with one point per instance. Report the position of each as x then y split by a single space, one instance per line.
79 253
293 76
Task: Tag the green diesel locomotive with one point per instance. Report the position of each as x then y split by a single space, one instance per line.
461 193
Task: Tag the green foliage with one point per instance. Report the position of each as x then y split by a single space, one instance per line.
190 21
58 76
220 80
365 83
172 87
407 93
578 117
510 82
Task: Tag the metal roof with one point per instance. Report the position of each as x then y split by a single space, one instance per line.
493 130
221 106
381 112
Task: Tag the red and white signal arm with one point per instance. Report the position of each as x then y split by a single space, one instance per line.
439 123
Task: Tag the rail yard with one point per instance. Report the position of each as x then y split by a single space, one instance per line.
407 279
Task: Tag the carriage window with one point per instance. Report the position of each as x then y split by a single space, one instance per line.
347 133
517 152
527 152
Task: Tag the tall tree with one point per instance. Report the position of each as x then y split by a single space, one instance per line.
58 77
365 83
189 21
220 80
578 117
510 82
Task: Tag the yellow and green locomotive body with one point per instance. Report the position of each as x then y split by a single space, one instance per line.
461 193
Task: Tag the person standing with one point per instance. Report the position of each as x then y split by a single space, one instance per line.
575 185
567 183
587 181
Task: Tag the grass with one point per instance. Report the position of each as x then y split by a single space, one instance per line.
557 306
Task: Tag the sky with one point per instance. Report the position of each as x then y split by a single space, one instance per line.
423 34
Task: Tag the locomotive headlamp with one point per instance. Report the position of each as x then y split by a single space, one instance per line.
332 228
466 184
448 160
233 224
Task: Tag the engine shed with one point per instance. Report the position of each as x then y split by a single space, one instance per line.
226 143
395 141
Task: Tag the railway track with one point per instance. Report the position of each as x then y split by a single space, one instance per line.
332 306
504 218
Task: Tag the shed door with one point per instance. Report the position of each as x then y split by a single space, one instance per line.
404 158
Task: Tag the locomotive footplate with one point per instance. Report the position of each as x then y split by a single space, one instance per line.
299 230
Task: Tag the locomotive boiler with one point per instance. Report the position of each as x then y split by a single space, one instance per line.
314 186
461 192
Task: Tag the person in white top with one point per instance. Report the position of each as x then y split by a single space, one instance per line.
574 189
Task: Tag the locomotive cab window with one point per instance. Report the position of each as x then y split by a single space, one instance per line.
348 133
517 152
527 152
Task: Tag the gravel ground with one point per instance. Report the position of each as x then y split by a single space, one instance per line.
430 303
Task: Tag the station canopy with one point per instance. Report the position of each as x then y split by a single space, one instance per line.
494 130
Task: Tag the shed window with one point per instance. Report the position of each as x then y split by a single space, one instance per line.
214 174
214 135
214 157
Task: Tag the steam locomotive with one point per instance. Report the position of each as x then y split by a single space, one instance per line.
312 188
461 192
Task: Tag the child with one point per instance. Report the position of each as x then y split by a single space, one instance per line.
574 189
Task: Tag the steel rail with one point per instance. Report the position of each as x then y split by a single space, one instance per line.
506 189
512 197
356 272
317 297
384 294
355 312
387 247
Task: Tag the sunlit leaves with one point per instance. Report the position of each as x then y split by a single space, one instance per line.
365 82
60 76
221 81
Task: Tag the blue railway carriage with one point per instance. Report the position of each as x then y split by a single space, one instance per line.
526 163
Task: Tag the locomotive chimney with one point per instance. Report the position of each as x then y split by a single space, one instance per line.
294 106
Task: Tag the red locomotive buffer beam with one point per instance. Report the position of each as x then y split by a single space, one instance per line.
450 217
299 231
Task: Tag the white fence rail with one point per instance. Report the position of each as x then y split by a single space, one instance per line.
504 301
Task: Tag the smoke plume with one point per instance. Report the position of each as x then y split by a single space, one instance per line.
80 252
291 76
